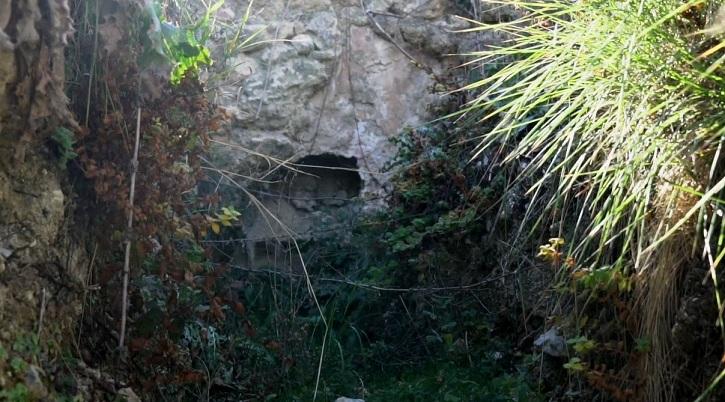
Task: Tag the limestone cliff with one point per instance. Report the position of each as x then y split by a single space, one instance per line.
330 82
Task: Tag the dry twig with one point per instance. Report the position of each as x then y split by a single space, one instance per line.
127 257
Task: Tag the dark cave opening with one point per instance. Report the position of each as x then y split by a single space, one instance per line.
325 180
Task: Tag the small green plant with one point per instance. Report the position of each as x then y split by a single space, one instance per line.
582 345
226 218
64 140
18 393
18 365
575 365
184 46
28 346
238 41
642 345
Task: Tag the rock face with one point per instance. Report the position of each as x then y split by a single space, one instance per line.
39 266
331 80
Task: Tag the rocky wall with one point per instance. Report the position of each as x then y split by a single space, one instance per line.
40 268
330 77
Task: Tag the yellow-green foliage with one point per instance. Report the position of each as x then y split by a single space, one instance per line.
609 102
615 108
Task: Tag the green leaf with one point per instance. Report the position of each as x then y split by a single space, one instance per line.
575 365
642 345
18 365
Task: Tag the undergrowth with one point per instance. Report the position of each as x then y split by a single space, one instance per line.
408 311
176 301
405 307
615 108
598 111
407 295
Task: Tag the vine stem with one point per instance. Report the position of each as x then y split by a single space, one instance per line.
93 67
129 227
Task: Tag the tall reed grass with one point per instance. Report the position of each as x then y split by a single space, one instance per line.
609 101
617 108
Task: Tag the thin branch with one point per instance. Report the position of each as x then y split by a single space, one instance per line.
43 306
378 288
127 257
371 16
93 68
259 180
294 167
267 214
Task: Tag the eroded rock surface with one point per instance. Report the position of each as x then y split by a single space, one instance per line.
331 77
39 266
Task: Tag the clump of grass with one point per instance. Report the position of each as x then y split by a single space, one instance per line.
616 106
607 100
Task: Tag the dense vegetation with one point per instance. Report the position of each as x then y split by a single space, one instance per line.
617 108
576 187
403 294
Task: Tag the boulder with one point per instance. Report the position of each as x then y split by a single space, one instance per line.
552 343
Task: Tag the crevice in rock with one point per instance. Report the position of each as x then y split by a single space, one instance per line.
325 180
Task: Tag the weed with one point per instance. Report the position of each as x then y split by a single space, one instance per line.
575 365
28 345
183 46
226 218
64 140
